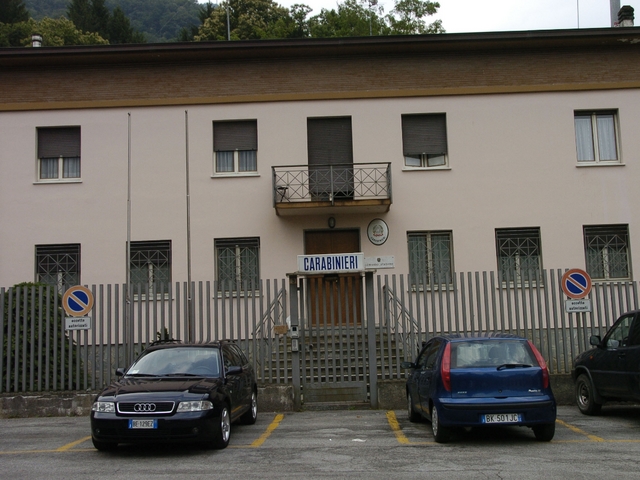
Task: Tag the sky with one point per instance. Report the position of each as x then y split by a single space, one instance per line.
463 16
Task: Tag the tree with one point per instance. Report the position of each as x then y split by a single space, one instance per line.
13 11
120 29
187 34
89 16
352 19
411 14
248 19
55 33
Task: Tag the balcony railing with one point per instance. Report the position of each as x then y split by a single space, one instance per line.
343 185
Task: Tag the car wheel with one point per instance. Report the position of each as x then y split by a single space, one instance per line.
104 446
413 415
250 416
544 433
441 434
585 396
223 430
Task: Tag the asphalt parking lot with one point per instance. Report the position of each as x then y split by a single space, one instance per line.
351 444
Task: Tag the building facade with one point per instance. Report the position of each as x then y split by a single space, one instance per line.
505 152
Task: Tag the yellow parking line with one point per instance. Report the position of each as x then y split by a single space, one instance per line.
593 438
395 426
69 446
276 421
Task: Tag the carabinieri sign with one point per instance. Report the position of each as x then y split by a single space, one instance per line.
331 263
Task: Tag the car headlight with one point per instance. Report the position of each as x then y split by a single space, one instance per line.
197 406
103 407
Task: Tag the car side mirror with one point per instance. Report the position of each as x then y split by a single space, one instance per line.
595 340
407 365
234 370
120 372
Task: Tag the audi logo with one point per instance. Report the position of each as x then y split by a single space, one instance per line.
144 407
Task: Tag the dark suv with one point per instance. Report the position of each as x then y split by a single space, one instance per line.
176 391
611 370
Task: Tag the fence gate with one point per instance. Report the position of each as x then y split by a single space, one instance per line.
333 339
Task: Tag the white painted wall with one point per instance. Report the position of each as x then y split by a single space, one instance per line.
512 157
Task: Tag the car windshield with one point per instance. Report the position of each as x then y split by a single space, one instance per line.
489 353
185 361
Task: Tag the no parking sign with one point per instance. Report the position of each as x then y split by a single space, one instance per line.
576 284
78 302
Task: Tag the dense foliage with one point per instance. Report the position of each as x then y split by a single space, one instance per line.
40 349
135 21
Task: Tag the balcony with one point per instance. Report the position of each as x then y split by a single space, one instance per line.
332 189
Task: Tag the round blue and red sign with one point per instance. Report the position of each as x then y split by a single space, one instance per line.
77 301
576 283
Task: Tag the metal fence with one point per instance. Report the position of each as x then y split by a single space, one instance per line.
38 354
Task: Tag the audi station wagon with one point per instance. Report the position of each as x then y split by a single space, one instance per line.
177 392
462 381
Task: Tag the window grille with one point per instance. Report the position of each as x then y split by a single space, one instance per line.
430 258
58 265
151 264
519 258
237 261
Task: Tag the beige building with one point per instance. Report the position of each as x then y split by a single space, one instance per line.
504 152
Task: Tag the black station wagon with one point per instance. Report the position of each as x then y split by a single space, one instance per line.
177 392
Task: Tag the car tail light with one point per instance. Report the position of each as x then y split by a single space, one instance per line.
542 364
445 368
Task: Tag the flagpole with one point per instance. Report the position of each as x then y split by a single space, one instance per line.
189 299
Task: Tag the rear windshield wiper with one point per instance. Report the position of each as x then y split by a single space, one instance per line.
513 365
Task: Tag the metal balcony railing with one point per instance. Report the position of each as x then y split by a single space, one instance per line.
331 183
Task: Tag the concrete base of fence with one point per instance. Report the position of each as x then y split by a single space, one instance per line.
66 404
271 398
391 393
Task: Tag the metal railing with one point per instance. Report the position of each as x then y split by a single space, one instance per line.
328 183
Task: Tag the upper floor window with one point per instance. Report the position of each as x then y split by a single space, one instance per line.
150 264
596 136
58 153
424 140
519 257
237 263
430 258
235 145
58 265
607 251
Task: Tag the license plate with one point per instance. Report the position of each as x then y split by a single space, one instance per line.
143 423
502 418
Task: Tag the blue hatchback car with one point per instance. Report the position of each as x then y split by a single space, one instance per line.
478 381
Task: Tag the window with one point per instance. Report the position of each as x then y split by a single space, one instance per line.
424 140
607 251
237 262
618 336
58 154
430 258
596 137
235 145
518 254
151 264
58 265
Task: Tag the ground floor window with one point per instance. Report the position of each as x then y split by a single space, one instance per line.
430 258
237 263
58 265
606 249
518 251
150 264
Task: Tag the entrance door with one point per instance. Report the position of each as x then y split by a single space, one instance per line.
334 299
